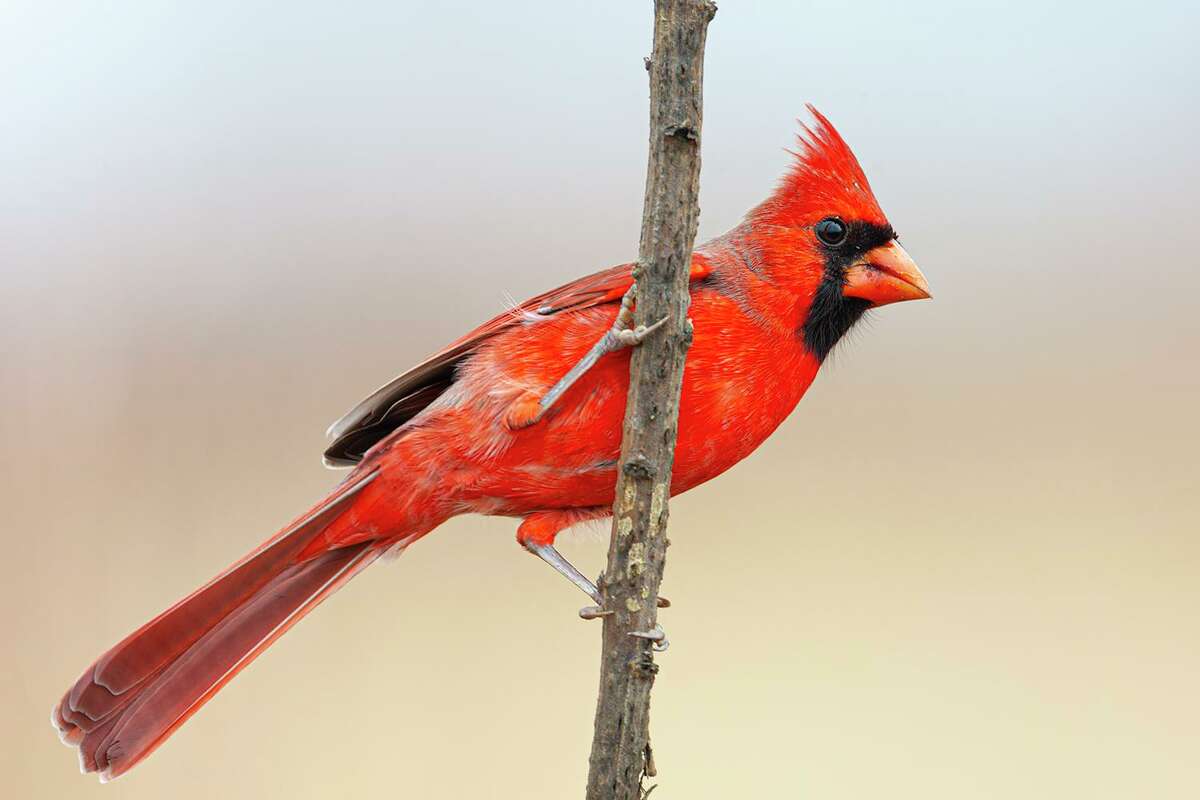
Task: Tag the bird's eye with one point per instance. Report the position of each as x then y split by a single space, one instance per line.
832 231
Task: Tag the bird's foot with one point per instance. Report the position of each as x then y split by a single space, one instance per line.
548 553
657 638
596 612
622 334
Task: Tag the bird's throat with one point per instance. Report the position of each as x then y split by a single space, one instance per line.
830 316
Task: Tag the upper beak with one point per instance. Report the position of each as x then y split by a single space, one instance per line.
885 275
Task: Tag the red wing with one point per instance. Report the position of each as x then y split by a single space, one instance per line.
402 398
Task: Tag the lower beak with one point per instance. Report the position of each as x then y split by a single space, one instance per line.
885 275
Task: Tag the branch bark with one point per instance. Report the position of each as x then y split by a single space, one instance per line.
621 754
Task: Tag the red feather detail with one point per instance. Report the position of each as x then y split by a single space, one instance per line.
403 397
825 179
141 690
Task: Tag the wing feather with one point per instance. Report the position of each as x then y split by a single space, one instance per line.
403 397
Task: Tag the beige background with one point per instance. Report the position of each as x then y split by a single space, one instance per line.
966 568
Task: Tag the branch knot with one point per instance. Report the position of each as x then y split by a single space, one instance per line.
639 467
682 131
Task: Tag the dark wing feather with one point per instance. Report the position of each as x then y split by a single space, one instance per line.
402 398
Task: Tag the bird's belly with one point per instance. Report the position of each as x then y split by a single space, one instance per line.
569 460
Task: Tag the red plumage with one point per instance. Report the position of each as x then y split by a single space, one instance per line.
446 438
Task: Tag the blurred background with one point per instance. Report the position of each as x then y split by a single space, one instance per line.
967 567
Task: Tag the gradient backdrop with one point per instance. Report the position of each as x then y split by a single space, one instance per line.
966 568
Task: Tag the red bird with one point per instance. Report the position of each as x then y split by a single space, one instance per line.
478 428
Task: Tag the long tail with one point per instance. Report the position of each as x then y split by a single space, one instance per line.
136 695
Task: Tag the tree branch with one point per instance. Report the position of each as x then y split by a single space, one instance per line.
621 753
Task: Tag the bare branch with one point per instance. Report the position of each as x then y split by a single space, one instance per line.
621 754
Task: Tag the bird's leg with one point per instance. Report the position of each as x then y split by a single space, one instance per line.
622 334
536 535
551 556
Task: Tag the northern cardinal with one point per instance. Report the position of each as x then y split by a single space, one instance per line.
469 430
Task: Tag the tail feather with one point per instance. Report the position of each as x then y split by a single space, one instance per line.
149 684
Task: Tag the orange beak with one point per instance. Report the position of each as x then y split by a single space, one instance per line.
886 275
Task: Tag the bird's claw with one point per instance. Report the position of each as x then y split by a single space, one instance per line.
598 612
628 337
657 638
594 612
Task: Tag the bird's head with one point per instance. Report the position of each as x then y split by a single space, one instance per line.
833 243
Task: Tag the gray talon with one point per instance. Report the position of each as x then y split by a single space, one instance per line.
593 612
657 638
